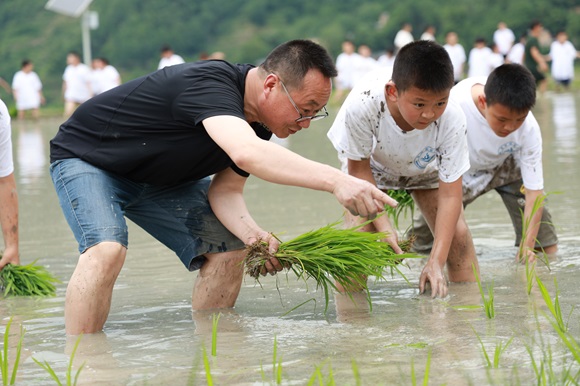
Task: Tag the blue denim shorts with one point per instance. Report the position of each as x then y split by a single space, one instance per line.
96 202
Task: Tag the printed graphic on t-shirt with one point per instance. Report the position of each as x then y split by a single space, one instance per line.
508 148
425 157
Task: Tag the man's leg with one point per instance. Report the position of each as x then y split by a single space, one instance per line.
89 292
219 280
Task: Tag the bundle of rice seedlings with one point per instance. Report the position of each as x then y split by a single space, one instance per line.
27 280
329 254
405 205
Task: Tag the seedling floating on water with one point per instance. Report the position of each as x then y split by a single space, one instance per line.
27 280
328 254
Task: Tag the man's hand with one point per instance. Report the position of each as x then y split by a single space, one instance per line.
433 274
361 198
9 256
273 265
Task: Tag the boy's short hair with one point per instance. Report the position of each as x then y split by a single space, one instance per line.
423 64
511 85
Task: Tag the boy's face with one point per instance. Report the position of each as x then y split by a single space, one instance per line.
503 120
417 108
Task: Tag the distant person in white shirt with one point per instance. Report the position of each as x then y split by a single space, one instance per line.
27 90
456 54
403 37
562 54
516 54
429 33
387 58
496 59
345 65
364 63
504 38
104 76
75 83
479 59
169 58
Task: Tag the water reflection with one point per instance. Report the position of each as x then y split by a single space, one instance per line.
152 336
31 157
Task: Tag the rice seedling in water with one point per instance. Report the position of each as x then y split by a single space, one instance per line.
208 376
427 369
4 371
488 304
553 306
330 254
500 347
27 280
69 379
215 321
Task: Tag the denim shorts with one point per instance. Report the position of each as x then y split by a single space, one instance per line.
96 202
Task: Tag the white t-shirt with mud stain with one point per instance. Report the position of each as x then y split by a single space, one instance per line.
487 151
364 128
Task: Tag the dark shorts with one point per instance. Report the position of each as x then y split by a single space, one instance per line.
95 204
538 75
510 191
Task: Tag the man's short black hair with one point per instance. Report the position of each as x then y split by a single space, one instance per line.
293 59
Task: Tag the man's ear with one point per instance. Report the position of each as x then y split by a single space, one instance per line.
270 82
391 91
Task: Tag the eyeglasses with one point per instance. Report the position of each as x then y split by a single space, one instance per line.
302 117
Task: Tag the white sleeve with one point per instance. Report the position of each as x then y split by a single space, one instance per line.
530 156
452 149
6 162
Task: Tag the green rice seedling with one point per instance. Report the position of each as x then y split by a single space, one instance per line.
330 254
70 381
27 280
4 356
356 373
553 306
215 321
500 347
405 206
427 370
208 376
488 304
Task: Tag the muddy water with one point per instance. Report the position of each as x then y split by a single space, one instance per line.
151 338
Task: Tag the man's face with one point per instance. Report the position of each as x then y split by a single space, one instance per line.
417 108
281 114
502 120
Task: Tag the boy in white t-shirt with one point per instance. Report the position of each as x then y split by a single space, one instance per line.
399 132
505 153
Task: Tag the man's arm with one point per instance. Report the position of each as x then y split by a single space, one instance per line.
539 58
227 202
9 220
362 169
532 219
276 164
450 196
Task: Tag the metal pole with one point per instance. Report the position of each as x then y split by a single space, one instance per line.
86 29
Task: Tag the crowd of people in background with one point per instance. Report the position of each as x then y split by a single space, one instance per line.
479 60
82 81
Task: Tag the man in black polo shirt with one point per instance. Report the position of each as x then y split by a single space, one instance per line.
145 151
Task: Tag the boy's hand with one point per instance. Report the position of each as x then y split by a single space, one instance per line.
433 274
526 254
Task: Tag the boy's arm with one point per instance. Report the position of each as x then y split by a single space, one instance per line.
532 219
362 169
449 206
